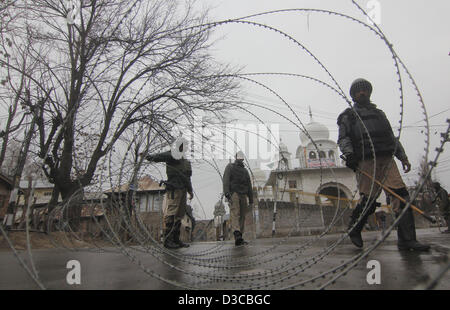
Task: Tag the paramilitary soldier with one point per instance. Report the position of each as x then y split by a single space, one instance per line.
178 184
443 202
355 142
237 187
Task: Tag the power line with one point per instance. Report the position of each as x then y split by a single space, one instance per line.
439 113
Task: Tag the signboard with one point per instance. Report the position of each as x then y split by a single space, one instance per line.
323 162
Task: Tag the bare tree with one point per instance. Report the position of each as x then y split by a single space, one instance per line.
12 82
105 65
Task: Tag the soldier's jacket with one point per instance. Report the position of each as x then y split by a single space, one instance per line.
236 179
179 171
353 137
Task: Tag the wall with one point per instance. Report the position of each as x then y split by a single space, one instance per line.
302 220
308 219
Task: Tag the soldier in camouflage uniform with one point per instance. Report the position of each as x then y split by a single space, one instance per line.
237 187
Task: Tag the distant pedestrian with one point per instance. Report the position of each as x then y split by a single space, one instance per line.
237 187
380 215
219 213
442 201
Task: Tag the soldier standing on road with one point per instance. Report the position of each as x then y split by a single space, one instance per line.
237 187
359 128
380 215
443 203
219 212
178 185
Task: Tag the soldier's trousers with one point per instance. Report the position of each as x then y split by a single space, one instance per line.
175 204
238 211
386 172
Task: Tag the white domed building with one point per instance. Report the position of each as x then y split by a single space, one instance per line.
320 170
317 150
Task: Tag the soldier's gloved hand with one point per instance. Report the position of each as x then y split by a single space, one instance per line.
351 161
406 165
191 195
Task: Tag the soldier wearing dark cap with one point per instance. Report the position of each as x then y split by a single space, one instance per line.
178 185
360 128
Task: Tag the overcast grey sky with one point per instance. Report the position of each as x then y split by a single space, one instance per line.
418 29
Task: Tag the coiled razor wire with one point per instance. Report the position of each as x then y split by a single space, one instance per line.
218 259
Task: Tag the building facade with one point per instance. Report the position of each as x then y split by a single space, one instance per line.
310 197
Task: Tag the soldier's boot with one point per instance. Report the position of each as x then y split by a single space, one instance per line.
406 230
406 233
169 234
238 240
177 231
355 233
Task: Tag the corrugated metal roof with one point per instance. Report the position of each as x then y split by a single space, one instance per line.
39 184
144 184
43 200
94 196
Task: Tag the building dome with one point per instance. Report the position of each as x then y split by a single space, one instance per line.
317 131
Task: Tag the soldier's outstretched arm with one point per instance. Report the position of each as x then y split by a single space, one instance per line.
164 157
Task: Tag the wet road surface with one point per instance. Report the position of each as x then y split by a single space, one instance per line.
262 264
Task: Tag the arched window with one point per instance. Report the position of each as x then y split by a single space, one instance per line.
322 154
331 154
312 155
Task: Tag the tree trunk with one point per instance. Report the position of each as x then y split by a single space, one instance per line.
72 204
48 227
